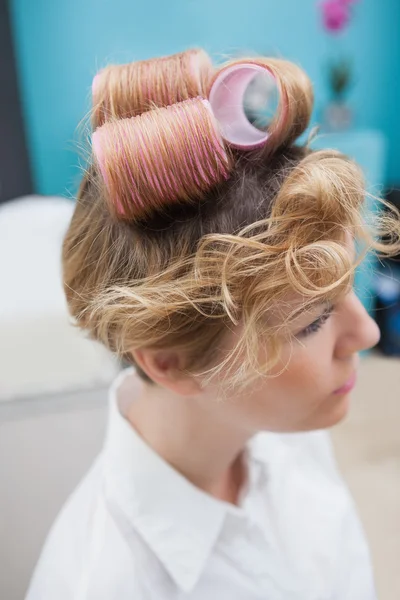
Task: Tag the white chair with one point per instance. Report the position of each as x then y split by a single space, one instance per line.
53 386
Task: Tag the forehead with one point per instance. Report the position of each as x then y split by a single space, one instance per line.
292 301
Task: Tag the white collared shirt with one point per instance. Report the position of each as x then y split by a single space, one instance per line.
135 529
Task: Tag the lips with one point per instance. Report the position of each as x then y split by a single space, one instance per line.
350 383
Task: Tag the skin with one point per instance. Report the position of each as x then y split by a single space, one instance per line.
204 439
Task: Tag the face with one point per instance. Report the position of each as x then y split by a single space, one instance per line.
321 359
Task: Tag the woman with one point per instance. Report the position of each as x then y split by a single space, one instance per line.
218 260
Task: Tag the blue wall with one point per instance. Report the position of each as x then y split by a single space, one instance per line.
61 44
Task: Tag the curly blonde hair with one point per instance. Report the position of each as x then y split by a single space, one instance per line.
181 274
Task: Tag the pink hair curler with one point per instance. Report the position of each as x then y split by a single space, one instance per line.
226 99
95 83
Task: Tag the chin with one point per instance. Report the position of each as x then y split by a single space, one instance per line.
338 411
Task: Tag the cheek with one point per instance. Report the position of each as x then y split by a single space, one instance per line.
303 383
287 399
306 381
296 393
308 370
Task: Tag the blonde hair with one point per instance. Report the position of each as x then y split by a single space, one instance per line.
170 248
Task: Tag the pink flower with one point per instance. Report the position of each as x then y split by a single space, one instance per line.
335 14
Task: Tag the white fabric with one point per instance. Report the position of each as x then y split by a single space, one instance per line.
135 529
40 351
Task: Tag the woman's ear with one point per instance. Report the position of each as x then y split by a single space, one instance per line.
165 368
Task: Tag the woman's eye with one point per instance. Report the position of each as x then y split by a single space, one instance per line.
316 325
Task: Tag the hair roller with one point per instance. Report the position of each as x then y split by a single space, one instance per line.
226 95
161 157
121 91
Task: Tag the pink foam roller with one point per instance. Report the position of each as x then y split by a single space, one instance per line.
226 99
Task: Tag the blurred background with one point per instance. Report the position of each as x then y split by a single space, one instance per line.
53 381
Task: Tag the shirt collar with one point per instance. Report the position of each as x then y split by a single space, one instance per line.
178 521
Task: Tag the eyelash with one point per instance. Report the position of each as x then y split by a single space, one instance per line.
316 325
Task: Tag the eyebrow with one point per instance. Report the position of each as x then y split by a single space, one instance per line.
301 311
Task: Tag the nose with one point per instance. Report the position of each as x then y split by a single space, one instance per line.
358 330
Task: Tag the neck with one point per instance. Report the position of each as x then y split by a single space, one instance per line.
195 437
